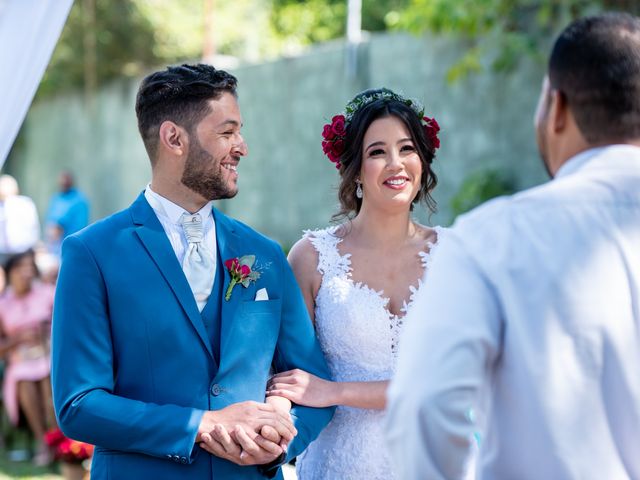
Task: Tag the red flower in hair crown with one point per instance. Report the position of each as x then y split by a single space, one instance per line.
334 133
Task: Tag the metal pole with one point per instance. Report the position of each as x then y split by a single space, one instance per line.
354 35
354 21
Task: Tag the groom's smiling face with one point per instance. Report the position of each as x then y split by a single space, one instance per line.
215 148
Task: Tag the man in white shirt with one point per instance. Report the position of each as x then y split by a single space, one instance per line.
528 329
19 224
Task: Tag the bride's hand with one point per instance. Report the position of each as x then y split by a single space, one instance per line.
303 388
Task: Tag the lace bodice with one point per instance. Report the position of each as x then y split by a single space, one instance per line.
359 337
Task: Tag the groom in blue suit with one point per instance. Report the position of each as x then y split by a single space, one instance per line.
170 315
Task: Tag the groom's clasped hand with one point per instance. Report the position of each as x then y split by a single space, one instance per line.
246 433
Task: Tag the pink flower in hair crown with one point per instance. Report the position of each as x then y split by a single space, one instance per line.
333 135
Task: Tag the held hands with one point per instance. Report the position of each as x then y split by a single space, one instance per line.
303 388
246 433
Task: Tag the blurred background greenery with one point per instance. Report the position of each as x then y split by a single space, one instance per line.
107 39
476 64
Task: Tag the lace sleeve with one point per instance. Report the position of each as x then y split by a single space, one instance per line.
325 242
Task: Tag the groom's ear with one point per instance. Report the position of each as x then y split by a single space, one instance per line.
559 112
173 138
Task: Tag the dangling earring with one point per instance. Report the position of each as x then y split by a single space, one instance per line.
359 190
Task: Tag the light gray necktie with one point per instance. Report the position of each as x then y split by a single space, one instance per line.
198 264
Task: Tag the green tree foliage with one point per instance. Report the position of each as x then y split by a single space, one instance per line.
133 36
123 38
298 23
479 187
500 32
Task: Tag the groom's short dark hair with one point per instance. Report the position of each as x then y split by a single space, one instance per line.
180 94
595 64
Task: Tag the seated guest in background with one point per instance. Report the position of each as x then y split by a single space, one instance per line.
19 222
68 212
531 315
25 320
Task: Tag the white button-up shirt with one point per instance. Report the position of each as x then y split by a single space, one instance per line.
19 225
169 214
528 332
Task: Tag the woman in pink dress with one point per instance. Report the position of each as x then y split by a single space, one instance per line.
25 320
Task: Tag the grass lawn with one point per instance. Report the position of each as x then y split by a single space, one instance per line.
25 470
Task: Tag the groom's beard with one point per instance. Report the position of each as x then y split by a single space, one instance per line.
204 175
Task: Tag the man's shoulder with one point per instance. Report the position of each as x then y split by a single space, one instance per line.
102 230
500 225
79 196
500 209
20 201
246 232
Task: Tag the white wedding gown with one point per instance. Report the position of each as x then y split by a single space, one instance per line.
359 338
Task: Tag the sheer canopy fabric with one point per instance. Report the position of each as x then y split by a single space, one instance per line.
29 30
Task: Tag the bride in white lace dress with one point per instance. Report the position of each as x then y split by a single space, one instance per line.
359 279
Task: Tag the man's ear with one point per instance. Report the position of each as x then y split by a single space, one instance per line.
558 111
173 138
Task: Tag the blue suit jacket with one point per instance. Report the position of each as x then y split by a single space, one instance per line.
132 365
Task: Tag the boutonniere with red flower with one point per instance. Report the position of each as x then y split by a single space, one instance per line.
241 272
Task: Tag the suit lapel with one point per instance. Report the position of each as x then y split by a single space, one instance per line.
155 241
229 246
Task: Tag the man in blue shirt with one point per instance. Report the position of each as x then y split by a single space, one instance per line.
68 212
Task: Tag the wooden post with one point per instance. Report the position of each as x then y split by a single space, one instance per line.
209 44
89 44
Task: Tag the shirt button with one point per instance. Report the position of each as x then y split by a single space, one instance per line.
215 390
183 460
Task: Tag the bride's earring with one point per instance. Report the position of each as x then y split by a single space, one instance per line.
359 189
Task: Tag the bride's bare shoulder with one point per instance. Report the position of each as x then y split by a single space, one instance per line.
302 253
427 234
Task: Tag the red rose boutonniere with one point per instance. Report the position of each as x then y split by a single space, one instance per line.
241 272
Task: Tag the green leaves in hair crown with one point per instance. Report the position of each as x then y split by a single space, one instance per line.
334 133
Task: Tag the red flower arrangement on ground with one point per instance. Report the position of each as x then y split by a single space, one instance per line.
66 449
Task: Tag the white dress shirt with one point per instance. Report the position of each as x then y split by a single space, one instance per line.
19 225
169 215
528 331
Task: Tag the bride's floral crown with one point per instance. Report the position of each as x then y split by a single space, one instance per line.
334 133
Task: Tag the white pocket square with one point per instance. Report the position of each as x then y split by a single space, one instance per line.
262 295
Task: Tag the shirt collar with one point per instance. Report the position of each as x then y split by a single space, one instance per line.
576 162
172 211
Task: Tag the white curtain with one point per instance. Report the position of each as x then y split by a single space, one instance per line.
29 30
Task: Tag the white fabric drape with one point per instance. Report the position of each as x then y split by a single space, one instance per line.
29 30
